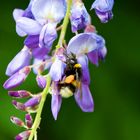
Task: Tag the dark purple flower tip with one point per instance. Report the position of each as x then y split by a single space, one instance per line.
41 81
23 136
18 105
32 41
17 121
40 53
28 120
33 102
17 79
19 94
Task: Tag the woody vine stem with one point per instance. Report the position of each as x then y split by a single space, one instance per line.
46 90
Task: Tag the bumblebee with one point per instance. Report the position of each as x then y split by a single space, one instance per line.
72 76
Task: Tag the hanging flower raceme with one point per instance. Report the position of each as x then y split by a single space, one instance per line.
62 72
103 9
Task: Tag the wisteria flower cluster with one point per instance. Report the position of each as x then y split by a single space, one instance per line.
66 65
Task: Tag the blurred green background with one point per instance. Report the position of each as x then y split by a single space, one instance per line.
115 85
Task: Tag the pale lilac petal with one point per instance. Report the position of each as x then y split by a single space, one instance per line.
103 9
84 99
79 16
21 60
48 35
83 60
53 10
55 105
84 43
20 32
18 13
57 70
29 26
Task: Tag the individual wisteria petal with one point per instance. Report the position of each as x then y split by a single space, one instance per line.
56 100
28 120
40 53
41 81
83 60
18 13
23 136
19 94
84 43
84 99
97 55
57 70
56 104
34 101
79 16
17 79
29 26
17 121
47 10
32 41
21 60
48 35
18 105
103 9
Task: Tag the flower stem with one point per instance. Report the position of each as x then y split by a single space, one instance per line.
65 24
38 115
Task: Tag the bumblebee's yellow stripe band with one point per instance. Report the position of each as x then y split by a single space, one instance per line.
77 66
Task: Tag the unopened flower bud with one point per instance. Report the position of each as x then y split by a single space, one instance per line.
17 121
23 136
19 94
17 79
90 29
28 120
18 105
32 104
41 81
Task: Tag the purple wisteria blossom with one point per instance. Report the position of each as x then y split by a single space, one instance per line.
79 16
103 9
46 18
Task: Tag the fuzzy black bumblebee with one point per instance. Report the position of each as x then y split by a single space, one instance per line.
72 76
